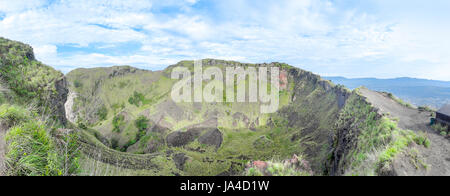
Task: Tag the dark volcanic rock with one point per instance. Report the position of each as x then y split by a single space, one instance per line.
180 159
121 71
212 137
179 138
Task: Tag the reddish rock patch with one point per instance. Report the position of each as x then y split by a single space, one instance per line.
283 80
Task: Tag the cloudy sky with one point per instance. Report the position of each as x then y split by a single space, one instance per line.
352 38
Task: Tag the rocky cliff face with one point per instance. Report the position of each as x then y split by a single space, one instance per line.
59 99
348 128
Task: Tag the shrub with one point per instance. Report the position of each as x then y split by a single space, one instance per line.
102 113
81 125
425 108
440 128
118 121
77 84
128 144
116 107
12 115
141 123
422 139
29 79
114 143
137 99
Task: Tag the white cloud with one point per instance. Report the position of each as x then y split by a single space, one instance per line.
323 36
45 52
20 5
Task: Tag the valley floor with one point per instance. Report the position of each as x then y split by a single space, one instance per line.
437 156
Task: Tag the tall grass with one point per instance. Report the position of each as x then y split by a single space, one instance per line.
34 149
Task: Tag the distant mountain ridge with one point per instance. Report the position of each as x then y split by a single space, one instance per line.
419 92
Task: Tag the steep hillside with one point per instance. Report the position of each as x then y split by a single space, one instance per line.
32 81
225 134
32 114
133 112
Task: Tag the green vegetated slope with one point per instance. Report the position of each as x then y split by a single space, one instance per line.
130 110
32 116
122 121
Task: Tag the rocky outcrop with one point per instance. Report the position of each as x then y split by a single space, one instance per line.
20 49
180 159
180 138
348 128
212 138
70 115
121 71
207 136
58 100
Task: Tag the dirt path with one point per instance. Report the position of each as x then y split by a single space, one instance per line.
437 156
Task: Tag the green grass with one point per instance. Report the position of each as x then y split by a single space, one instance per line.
118 122
12 115
32 151
404 103
102 113
376 137
440 128
401 140
279 168
426 108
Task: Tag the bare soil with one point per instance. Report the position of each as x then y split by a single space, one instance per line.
437 156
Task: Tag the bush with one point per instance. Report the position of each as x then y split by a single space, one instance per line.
33 152
425 108
440 128
422 139
115 143
77 84
29 79
118 121
142 123
137 99
102 113
12 115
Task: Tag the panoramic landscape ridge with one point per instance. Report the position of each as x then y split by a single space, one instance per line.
123 121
